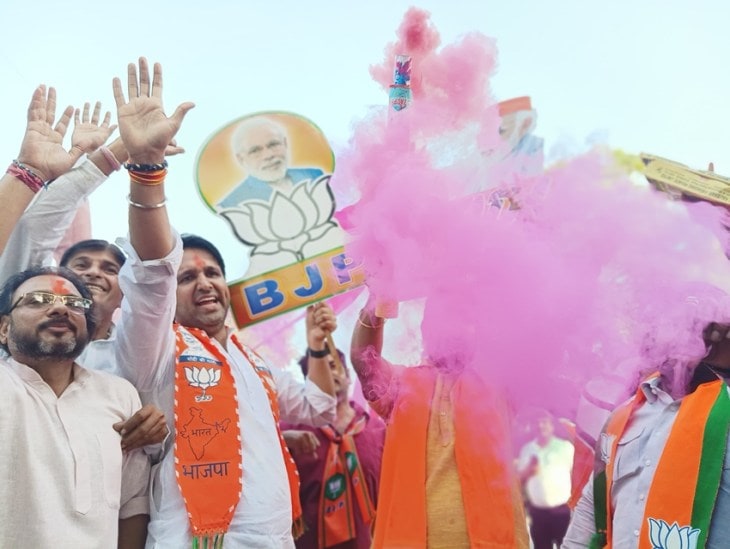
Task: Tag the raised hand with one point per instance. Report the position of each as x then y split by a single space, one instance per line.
143 125
321 321
88 134
42 147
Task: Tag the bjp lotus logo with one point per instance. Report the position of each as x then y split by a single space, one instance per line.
663 536
335 486
204 378
288 227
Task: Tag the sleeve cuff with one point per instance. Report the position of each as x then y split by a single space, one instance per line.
325 405
139 505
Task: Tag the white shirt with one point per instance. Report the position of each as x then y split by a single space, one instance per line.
65 481
40 230
550 485
43 225
146 353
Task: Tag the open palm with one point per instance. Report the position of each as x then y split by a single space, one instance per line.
42 147
143 125
88 134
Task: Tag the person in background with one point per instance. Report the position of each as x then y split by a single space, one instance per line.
338 464
544 465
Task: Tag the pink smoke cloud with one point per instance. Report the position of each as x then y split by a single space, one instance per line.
592 270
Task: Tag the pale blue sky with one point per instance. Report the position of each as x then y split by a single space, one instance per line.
638 75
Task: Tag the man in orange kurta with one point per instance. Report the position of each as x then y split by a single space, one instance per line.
446 479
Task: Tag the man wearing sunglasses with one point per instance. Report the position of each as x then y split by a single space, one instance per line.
65 479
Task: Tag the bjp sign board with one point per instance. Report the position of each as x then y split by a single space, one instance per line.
677 180
267 174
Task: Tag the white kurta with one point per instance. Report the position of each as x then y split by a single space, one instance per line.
146 354
65 481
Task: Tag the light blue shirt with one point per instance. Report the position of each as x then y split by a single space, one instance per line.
637 455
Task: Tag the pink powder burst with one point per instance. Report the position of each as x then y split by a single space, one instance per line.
592 270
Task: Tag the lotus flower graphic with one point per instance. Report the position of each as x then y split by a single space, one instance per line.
664 536
292 227
203 378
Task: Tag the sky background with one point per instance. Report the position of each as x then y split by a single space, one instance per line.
637 75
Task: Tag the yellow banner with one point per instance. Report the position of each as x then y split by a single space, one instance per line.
297 285
673 177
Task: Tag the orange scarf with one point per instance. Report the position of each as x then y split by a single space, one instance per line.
208 460
685 484
343 478
482 457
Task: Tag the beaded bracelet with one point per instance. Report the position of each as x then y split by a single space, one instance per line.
146 206
29 178
146 167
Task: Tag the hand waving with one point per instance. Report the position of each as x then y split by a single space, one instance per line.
42 147
88 135
143 125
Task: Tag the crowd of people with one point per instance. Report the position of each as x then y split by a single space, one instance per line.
136 416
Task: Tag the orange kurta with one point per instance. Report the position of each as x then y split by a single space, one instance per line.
481 456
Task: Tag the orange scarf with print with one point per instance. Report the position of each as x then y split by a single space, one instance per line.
685 484
208 461
483 458
343 479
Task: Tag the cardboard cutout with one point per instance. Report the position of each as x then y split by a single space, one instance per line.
267 174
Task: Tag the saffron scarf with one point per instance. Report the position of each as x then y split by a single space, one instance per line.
483 460
208 460
343 479
291 468
685 484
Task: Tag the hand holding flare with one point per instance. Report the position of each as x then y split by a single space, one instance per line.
321 322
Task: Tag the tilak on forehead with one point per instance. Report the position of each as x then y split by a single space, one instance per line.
199 261
59 285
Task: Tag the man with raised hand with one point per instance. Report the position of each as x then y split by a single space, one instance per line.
37 229
41 161
65 480
228 480
339 463
446 479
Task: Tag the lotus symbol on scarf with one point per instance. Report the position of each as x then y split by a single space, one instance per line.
664 536
292 227
203 378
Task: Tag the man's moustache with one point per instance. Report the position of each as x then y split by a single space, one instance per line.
57 323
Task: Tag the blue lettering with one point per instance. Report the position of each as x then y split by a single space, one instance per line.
263 296
315 280
343 265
